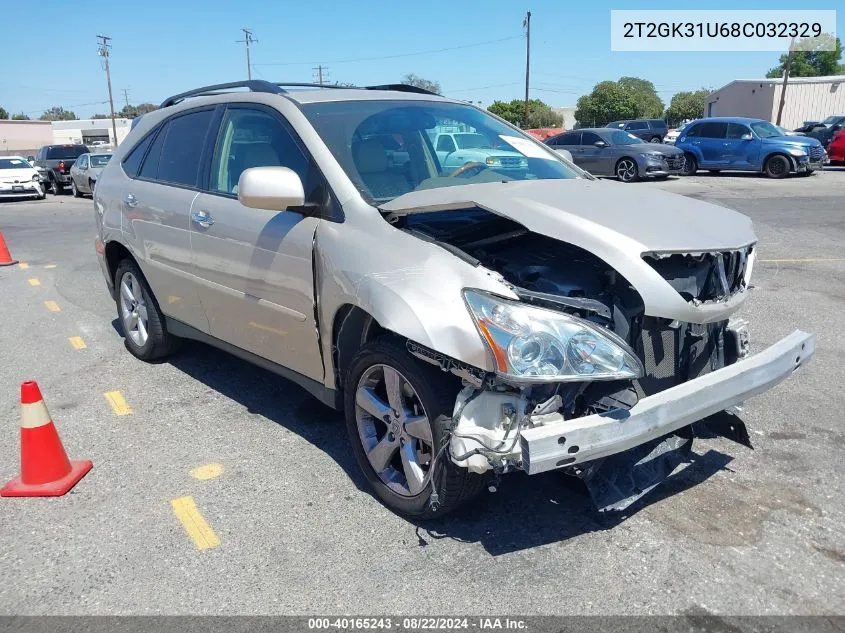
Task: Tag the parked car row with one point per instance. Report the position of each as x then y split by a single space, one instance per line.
715 144
69 166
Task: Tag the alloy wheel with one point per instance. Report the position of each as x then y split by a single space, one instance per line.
394 430
133 310
626 170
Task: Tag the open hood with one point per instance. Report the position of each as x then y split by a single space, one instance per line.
595 215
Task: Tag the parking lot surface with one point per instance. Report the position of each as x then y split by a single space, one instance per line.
219 488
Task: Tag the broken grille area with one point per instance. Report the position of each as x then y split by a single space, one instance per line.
703 277
673 355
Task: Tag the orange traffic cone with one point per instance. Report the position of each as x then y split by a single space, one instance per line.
45 468
5 255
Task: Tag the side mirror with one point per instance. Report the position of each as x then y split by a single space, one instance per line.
270 188
746 137
600 144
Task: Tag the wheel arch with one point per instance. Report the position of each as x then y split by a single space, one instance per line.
793 166
114 253
352 328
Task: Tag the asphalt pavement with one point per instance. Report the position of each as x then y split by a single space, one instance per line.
219 488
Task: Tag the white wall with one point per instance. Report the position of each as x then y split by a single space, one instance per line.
752 100
809 102
76 131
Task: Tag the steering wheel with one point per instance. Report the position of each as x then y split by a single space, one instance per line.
467 167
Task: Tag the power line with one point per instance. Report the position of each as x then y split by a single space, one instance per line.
73 105
103 51
380 57
248 39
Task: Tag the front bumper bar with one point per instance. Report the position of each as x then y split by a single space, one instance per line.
559 442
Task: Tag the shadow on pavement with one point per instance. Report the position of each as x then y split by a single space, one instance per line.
524 513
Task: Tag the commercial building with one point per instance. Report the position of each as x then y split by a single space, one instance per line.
807 99
90 132
23 138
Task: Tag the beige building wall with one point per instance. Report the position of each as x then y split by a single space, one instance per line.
742 99
24 137
807 101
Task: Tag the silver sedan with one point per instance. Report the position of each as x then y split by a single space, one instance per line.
616 153
85 171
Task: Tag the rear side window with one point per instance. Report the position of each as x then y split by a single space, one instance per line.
132 162
570 138
182 149
637 125
713 129
150 169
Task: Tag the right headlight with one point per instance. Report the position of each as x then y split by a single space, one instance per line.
535 344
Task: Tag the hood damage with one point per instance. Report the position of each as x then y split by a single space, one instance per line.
665 278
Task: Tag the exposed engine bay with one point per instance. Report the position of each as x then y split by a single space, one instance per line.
541 271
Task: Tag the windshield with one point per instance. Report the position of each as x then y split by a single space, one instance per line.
618 137
99 160
764 129
472 141
353 130
66 151
13 163
831 120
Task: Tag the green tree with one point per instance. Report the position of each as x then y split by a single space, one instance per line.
809 60
131 111
687 105
20 116
607 102
649 105
58 113
426 84
3 113
540 114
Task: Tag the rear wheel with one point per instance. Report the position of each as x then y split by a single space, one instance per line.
398 416
655 139
144 330
626 170
55 187
777 166
690 165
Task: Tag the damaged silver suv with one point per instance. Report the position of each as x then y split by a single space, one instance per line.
471 317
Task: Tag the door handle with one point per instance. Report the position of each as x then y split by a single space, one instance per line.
202 218
130 200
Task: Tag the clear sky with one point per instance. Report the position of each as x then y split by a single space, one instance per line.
161 47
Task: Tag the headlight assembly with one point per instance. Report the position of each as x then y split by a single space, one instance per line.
534 344
797 152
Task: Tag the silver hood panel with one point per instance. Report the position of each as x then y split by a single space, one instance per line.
616 222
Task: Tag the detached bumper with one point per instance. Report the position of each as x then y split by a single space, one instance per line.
560 442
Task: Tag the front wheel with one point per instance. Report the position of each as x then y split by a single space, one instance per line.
777 166
626 170
398 417
144 329
74 190
690 165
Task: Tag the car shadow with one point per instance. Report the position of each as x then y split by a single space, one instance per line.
524 512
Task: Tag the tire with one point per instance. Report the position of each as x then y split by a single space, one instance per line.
626 169
91 186
76 193
777 166
656 139
157 343
690 165
55 187
432 397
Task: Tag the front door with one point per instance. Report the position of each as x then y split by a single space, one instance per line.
740 153
255 266
591 157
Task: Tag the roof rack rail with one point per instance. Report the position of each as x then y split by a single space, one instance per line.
309 85
402 88
255 85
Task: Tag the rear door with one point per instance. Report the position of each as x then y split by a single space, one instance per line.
569 141
593 159
156 209
255 266
711 141
639 129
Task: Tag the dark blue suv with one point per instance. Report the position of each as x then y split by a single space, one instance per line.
735 143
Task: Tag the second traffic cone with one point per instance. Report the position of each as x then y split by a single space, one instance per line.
5 255
45 468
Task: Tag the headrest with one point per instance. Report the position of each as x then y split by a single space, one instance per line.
370 157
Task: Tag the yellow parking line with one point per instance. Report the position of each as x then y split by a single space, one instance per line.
77 342
208 471
33 281
117 402
194 523
50 266
792 261
23 265
52 306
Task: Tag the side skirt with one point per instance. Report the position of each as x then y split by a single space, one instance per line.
329 397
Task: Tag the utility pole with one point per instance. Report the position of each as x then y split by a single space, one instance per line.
103 51
248 39
321 74
527 24
785 78
126 96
